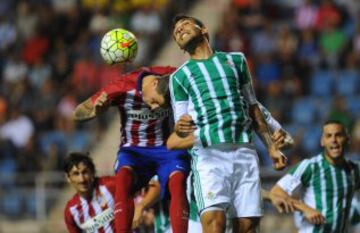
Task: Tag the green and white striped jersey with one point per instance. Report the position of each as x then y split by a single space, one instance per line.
355 210
325 187
212 88
162 221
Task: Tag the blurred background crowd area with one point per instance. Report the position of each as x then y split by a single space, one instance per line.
49 63
305 60
304 56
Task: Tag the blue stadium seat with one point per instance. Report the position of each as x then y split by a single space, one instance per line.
323 107
7 173
347 83
311 139
353 104
12 204
30 204
304 111
321 83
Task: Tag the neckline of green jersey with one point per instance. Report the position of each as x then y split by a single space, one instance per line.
334 165
206 59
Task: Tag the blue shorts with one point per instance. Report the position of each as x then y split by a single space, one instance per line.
150 161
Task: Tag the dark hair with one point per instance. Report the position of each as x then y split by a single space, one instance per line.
337 122
75 158
179 17
163 88
197 21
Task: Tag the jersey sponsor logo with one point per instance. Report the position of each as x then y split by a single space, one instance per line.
210 195
98 221
147 114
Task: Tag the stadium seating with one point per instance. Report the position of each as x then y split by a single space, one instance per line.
311 139
321 83
347 83
353 104
304 111
12 204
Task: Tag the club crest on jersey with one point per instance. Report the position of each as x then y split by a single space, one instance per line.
147 114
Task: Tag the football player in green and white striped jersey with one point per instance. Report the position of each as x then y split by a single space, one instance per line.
326 182
215 88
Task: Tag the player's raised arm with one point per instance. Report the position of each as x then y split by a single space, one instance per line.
91 107
259 123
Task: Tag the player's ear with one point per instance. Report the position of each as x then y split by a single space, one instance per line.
67 178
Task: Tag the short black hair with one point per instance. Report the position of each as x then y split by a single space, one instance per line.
75 158
179 17
163 88
337 122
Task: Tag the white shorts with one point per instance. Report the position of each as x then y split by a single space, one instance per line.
194 226
227 173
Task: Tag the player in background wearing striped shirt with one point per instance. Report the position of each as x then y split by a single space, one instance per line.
215 88
142 153
91 208
326 182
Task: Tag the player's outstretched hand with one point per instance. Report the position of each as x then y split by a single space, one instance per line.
282 139
313 216
184 126
278 158
282 204
278 138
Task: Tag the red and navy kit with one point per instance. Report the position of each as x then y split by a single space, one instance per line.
144 131
139 125
95 214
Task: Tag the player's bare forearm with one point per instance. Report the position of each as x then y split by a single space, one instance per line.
84 111
150 198
152 195
175 142
260 125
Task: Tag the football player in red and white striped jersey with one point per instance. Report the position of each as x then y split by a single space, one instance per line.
91 209
142 153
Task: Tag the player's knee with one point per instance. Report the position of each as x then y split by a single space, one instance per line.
246 225
213 221
214 225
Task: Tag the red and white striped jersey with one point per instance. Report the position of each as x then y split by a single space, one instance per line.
95 215
139 125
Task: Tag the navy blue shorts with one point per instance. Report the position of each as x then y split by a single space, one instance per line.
150 161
